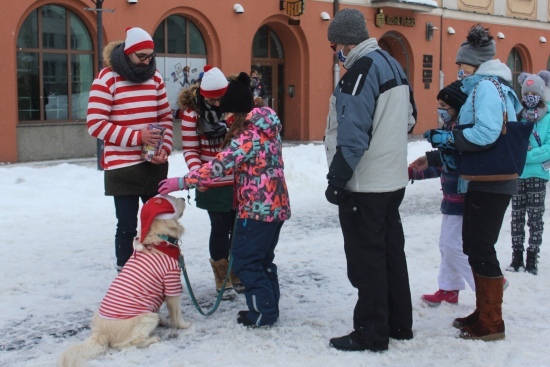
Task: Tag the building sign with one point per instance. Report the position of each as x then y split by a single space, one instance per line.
382 19
293 8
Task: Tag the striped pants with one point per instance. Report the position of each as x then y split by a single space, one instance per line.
530 200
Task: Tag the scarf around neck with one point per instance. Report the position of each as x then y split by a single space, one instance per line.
210 121
360 50
134 73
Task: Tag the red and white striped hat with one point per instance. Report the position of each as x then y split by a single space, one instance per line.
136 40
213 83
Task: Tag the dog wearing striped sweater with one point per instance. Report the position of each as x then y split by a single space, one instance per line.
129 313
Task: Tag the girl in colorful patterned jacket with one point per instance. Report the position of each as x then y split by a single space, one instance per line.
253 149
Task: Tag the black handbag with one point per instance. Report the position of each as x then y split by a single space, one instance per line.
503 160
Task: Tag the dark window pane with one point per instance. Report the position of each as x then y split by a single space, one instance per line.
54 27
55 85
515 65
28 34
260 43
276 48
196 42
177 36
158 39
80 38
81 77
28 86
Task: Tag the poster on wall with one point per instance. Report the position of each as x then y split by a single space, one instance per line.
178 73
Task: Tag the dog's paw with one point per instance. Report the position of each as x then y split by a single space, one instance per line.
180 324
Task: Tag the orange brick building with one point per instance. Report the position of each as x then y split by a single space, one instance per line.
51 55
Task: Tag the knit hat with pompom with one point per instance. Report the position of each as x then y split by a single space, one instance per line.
478 48
213 83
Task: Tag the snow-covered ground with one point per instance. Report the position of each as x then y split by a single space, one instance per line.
57 261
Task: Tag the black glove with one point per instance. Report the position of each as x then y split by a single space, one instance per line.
334 194
340 197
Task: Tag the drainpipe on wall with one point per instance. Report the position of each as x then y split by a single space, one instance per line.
441 73
336 67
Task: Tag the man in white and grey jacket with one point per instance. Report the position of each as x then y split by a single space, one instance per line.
371 111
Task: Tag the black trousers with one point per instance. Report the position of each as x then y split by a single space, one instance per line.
126 208
221 227
375 251
483 217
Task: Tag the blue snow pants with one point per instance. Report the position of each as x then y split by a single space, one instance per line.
253 253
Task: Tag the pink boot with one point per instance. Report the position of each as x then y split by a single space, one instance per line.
441 296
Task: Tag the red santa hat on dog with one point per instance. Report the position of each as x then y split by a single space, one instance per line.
158 207
136 40
213 83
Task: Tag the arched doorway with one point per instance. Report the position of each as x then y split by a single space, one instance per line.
397 46
268 62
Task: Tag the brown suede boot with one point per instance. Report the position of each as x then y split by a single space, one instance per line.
219 268
490 325
472 318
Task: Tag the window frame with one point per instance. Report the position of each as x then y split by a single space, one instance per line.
68 52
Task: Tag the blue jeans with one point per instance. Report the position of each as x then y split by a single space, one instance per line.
126 208
253 253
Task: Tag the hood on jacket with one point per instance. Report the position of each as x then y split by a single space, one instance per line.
187 99
107 53
266 120
488 68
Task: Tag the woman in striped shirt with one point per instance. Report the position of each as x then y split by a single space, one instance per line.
202 133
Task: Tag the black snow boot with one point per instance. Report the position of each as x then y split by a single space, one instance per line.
517 261
531 262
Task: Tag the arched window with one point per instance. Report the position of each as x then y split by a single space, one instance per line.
54 66
515 64
268 61
181 55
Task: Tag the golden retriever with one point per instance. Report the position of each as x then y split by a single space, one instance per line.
128 313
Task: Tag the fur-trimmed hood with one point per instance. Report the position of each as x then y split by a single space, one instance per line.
187 98
107 53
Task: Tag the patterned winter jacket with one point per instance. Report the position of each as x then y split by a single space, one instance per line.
256 158
453 202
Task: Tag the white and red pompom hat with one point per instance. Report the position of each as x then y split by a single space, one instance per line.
136 40
213 83
159 207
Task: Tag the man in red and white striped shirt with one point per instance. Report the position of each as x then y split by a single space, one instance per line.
127 96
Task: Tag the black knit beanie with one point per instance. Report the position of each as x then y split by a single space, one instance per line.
453 95
238 97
